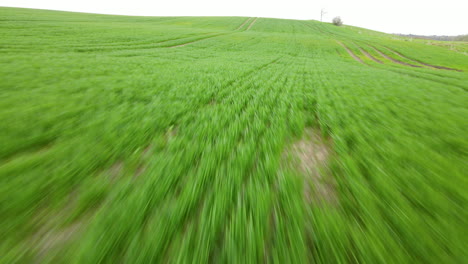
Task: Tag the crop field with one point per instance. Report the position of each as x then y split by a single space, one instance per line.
228 140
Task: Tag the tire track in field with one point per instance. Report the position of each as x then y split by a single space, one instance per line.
368 55
224 45
314 28
438 75
423 63
355 57
152 45
191 42
415 75
251 24
402 63
393 59
427 79
245 44
325 31
183 45
156 45
128 46
245 22
188 43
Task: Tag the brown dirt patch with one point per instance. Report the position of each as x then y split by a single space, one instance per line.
355 57
171 133
139 171
115 171
145 154
313 153
51 240
53 234
147 150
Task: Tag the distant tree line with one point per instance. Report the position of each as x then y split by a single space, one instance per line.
434 37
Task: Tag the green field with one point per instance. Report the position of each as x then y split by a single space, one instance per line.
228 140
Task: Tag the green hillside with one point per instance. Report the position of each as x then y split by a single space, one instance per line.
228 140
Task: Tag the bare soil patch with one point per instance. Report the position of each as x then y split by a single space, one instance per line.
51 240
54 234
313 153
115 171
144 157
171 133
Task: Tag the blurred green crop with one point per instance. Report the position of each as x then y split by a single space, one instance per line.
165 140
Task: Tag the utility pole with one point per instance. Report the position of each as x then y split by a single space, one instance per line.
322 13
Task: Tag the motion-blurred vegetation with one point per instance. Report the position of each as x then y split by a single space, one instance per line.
227 140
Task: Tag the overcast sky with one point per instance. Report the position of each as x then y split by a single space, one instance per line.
425 17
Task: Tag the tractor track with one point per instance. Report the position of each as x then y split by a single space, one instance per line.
251 24
355 57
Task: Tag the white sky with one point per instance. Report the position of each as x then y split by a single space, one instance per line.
425 17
